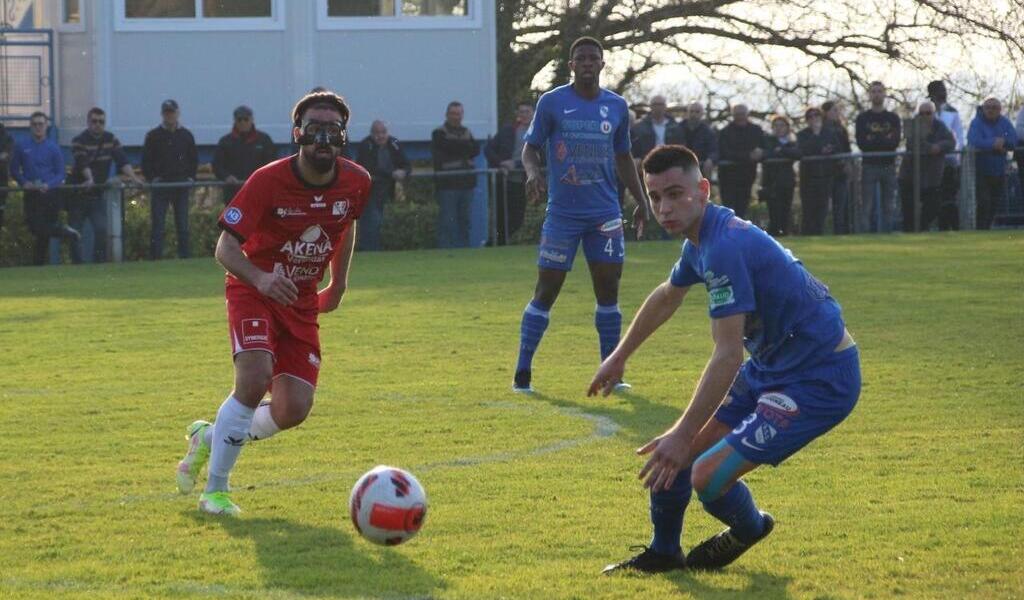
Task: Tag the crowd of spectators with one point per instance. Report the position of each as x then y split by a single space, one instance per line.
816 159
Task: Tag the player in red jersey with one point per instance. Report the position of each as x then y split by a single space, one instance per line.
292 220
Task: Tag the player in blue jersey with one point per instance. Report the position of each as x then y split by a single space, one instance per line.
584 130
801 380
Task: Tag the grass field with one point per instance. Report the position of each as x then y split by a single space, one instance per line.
920 493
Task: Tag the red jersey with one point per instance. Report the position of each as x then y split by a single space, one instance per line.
289 227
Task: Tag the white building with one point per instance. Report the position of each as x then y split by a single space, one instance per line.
399 60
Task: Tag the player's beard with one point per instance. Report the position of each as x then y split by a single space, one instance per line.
321 163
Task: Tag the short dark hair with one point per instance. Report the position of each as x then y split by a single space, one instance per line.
325 99
452 105
782 118
39 113
95 111
874 83
663 158
585 41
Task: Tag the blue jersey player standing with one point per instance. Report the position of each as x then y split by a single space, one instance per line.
801 380
585 132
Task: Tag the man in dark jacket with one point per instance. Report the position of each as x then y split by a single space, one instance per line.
991 135
241 152
739 150
94 150
695 133
169 155
777 177
816 175
381 155
928 141
505 151
6 151
655 129
453 149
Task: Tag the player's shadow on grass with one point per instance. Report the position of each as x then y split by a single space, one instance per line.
762 586
639 419
324 561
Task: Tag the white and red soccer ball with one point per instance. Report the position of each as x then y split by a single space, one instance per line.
387 505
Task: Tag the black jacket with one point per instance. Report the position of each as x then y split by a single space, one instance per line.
6 148
366 156
502 147
735 144
701 139
644 138
453 149
169 155
776 172
240 154
878 132
97 154
826 142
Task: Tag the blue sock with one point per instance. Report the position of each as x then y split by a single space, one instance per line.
535 321
608 321
736 509
667 511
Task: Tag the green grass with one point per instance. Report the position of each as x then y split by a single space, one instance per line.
918 494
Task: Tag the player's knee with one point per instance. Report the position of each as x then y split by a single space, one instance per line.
251 385
701 474
292 414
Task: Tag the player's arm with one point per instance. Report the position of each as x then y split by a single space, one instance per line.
536 183
329 298
671 452
273 285
659 307
629 174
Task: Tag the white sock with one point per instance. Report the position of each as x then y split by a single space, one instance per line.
263 425
230 431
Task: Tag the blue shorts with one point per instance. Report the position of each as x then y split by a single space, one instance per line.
603 241
773 422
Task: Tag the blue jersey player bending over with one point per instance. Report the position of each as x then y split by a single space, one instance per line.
801 380
585 131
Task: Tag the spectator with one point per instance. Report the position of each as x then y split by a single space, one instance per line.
949 209
992 136
840 192
505 152
38 166
381 155
6 150
453 149
168 156
94 150
651 131
878 130
927 141
739 149
816 175
241 152
1019 154
695 133
777 177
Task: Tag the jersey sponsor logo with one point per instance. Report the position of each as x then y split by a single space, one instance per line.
570 176
283 212
561 151
313 243
604 111
553 256
765 433
606 127
255 331
318 202
610 226
712 282
722 296
298 272
569 111
340 208
233 215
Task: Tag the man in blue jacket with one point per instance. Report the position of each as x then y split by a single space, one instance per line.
992 136
38 167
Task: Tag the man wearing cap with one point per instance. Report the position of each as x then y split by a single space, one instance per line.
241 152
169 155
949 189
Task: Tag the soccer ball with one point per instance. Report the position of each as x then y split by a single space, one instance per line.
387 505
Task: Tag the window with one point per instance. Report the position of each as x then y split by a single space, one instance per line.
399 14
72 12
199 15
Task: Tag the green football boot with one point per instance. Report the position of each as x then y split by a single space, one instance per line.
195 459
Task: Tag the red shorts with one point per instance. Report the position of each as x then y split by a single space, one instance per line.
289 333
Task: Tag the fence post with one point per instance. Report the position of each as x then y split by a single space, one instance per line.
113 198
968 206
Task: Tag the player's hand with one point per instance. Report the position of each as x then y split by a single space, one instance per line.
608 374
639 220
278 288
536 188
999 143
670 453
329 298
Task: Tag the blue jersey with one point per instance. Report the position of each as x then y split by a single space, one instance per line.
792 322
582 138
